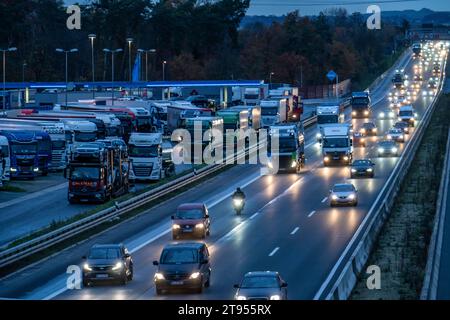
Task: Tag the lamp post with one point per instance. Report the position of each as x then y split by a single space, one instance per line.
92 37
164 70
270 79
146 60
112 68
130 41
4 74
67 59
24 65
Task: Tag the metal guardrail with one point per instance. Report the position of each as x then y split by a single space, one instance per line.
52 238
430 286
342 278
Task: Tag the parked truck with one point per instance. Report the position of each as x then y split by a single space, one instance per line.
23 153
60 148
197 128
337 144
97 173
145 151
273 112
290 155
254 115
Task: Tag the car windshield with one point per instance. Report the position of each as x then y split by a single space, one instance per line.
287 144
85 173
143 124
387 144
362 163
259 282
58 144
179 256
361 101
85 136
22 148
335 142
343 188
104 253
269 111
322 118
143 151
190 214
405 113
368 125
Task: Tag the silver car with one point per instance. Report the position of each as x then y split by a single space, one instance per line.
261 285
395 134
343 194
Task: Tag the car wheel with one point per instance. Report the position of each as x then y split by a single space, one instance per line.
351 176
158 291
373 175
174 236
355 204
124 280
131 275
200 288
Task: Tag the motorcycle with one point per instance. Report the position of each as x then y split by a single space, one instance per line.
238 204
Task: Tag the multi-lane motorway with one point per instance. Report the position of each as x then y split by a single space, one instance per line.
288 226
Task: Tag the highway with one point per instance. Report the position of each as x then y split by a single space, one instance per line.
287 226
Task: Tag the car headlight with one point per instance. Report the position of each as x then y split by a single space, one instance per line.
354 113
363 130
118 266
334 197
176 226
381 150
159 276
353 170
369 170
394 150
326 159
13 169
319 135
275 297
87 267
401 137
366 113
382 115
351 196
391 114
391 105
199 225
194 275
293 164
345 158
241 298
389 136
36 169
374 130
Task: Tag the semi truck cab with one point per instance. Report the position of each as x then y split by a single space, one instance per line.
145 152
337 144
291 148
361 105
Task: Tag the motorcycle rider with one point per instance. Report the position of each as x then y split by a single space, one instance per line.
239 194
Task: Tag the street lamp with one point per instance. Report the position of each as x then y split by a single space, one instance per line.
130 41
164 69
67 55
146 60
92 37
270 79
24 65
4 74
112 67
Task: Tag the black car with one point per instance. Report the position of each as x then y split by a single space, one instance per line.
369 129
403 126
362 168
261 285
183 266
107 262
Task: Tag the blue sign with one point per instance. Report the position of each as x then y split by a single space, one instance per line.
331 75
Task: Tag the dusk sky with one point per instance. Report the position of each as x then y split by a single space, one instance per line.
312 7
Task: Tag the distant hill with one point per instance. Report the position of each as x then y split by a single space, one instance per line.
415 17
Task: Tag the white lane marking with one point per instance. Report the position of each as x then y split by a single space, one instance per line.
32 195
274 251
295 231
311 213
254 215
324 199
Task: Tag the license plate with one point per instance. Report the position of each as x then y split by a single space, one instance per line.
177 283
187 230
335 158
101 276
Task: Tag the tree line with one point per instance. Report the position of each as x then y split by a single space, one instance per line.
199 39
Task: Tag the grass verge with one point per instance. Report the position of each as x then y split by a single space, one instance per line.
402 246
8 188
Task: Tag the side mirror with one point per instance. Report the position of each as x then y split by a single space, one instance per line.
155 263
127 255
284 285
83 257
236 286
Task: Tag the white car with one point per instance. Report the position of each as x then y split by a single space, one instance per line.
343 194
395 134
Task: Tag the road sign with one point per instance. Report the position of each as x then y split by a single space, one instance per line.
331 75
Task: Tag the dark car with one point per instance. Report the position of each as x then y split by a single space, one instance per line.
369 129
403 126
388 148
183 266
362 168
191 219
107 262
261 285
